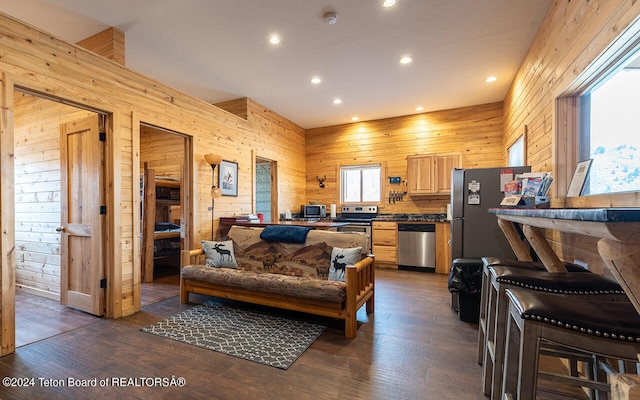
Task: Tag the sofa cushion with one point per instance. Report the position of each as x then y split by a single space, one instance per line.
308 288
340 258
219 254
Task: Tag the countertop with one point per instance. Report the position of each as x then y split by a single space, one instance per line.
574 214
322 224
417 218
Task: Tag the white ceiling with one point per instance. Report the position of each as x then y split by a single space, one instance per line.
219 50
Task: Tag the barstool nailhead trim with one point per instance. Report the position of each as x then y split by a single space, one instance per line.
549 290
589 331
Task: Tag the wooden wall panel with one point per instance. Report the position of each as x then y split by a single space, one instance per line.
571 38
35 60
283 141
108 43
475 132
162 151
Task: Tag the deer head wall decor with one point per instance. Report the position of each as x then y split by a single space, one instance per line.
321 181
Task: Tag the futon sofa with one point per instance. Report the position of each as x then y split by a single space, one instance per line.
313 271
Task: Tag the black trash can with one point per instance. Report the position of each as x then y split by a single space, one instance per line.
465 285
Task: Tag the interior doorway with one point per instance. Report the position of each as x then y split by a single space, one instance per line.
44 193
266 175
164 207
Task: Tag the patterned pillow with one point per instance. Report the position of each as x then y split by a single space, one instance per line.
340 258
219 254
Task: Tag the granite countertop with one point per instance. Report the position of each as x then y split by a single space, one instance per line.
574 214
320 224
412 217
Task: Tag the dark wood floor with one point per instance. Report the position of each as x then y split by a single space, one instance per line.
413 347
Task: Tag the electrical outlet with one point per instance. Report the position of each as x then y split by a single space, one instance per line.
581 263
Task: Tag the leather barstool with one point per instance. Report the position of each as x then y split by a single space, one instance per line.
590 325
502 278
484 293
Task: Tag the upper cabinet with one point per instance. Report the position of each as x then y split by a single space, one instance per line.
430 174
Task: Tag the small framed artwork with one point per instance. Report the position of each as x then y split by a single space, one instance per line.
579 178
228 179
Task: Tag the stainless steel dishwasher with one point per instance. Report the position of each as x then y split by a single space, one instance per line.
417 247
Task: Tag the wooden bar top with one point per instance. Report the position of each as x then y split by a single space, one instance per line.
619 224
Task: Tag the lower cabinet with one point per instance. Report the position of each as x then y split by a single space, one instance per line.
443 248
385 243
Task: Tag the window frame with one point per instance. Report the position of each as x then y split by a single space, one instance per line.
361 167
570 119
519 145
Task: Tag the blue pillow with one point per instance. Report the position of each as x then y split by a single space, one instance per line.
285 234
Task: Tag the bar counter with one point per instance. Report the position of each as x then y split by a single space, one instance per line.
617 228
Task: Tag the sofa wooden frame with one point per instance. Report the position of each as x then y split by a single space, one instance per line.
359 290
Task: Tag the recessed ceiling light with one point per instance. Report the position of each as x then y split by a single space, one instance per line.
355 118
388 3
406 60
491 79
315 80
274 39
337 101
420 108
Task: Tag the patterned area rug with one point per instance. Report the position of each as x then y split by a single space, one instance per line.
265 337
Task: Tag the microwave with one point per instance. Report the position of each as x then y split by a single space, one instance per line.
314 211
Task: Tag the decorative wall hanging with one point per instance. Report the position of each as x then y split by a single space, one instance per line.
228 180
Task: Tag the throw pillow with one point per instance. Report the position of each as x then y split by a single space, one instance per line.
340 258
219 254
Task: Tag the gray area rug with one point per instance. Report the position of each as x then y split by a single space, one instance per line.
265 337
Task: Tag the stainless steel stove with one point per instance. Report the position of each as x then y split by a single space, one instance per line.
358 214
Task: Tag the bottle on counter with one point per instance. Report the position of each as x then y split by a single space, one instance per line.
287 214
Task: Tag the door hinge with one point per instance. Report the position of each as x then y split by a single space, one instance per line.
103 283
103 210
103 136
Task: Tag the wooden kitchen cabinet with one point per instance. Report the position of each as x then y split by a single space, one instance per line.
421 174
385 243
430 174
443 249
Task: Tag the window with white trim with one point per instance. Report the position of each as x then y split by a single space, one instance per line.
360 184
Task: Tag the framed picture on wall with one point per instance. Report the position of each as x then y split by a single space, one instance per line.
579 178
228 179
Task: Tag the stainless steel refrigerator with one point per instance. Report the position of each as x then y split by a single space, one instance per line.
474 231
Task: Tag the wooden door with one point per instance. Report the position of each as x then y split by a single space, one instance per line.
82 269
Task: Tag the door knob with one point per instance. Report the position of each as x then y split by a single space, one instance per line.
60 229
